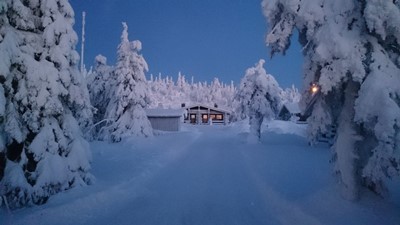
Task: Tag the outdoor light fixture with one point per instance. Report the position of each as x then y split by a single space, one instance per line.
314 89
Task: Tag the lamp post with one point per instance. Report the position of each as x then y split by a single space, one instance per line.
83 42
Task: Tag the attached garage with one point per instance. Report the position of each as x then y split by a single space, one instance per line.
165 119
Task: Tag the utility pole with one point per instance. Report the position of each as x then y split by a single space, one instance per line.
83 42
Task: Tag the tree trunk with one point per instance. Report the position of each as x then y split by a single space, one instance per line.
345 144
2 165
256 120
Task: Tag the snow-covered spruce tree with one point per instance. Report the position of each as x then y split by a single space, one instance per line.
352 51
183 89
126 111
42 150
100 85
7 49
216 93
164 92
291 95
258 98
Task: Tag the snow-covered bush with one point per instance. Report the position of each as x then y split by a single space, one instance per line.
44 103
351 50
100 84
258 97
125 112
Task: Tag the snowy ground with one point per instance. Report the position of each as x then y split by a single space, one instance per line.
209 175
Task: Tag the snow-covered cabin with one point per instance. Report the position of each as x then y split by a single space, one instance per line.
165 119
203 114
289 110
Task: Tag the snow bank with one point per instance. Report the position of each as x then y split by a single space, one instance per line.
210 175
285 127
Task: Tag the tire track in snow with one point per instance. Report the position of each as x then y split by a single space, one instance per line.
222 202
105 201
286 212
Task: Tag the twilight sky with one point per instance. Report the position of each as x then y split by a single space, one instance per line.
200 38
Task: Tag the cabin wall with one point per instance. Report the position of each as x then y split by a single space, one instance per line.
165 123
204 115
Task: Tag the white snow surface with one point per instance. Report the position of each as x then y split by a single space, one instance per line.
210 175
160 112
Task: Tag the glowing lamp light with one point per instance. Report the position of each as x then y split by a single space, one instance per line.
314 89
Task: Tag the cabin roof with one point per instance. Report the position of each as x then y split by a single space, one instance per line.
209 107
160 112
293 107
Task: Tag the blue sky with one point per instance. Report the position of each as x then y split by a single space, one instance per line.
200 38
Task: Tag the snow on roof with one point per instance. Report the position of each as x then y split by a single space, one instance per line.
160 112
293 107
210 107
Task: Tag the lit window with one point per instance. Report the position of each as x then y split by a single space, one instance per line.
205 116
219 117
192 116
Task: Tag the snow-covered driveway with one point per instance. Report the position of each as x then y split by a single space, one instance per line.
212 182
209 175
